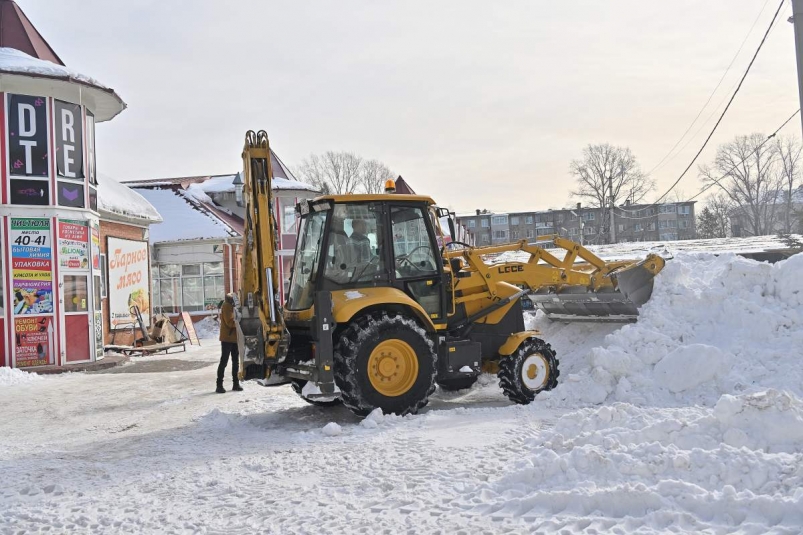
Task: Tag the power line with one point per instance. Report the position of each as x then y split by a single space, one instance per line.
721 117
699 113
715 181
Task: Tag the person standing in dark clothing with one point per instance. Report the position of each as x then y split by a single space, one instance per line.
228 345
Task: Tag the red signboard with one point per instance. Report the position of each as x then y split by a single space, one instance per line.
33 340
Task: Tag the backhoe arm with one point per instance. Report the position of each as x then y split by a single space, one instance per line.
263 333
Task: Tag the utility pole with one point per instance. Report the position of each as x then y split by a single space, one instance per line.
797 19
613 205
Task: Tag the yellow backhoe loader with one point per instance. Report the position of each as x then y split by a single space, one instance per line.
379 311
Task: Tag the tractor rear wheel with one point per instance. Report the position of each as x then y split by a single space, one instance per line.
531 369
385 362
298 386
460 383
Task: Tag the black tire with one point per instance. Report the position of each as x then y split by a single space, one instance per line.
459 383
298 385
352 355
512 371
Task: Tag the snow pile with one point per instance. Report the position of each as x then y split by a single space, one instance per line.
715 325
13 376
731 470
332 429
207 328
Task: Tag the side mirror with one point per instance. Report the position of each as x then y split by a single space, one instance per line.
451 229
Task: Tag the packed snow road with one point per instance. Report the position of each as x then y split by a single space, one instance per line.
689 421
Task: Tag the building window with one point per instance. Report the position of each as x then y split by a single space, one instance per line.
667 209
514 220
499 220
472 223
588 216
529 233
684 210
621 228
528 220
486 239
500 234
573 231
188 287
683 223
484 223
651 226
559 218
588 230
514 234
637 227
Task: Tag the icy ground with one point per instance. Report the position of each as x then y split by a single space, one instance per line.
689 421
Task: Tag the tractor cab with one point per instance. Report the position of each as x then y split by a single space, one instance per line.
349 243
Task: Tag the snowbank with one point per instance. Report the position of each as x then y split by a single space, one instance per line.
715 325
9 377
207 328
117 198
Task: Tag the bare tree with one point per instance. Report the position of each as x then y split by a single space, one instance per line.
332 172
714 220
789 155
373 176
608 175
749 177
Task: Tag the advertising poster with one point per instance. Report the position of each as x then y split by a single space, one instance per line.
31 266
36 192
33 341
95 246
128 281
73 245
70 194
98 335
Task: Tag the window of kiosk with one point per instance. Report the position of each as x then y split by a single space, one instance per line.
76 293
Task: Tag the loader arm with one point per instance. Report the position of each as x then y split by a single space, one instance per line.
262 333
593 287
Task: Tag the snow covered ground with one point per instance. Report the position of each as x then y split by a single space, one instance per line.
689 421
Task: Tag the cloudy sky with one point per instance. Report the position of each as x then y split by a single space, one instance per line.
479 104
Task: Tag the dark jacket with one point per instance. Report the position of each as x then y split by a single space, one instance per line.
228 329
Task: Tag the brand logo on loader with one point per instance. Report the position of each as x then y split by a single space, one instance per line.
511 269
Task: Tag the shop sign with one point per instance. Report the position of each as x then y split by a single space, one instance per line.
69 141
33 341
73 245
27 136
128 281
31 266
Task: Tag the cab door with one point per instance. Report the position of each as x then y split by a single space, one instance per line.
416 259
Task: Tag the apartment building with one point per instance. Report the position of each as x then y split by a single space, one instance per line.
633 223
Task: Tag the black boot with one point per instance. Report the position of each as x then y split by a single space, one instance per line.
235 385
220 389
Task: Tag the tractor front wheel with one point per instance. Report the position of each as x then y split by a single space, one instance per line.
385 362
531 369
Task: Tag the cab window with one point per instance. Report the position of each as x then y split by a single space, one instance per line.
412 249
354 250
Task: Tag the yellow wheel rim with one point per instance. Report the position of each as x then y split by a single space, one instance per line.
392 367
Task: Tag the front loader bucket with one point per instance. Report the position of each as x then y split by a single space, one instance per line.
635 282
632 288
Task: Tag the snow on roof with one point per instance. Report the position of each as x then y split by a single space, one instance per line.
225 183
118 199
13 61
188 218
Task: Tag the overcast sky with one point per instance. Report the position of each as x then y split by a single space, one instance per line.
478 104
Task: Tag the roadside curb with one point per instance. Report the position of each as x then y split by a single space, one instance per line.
107 362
